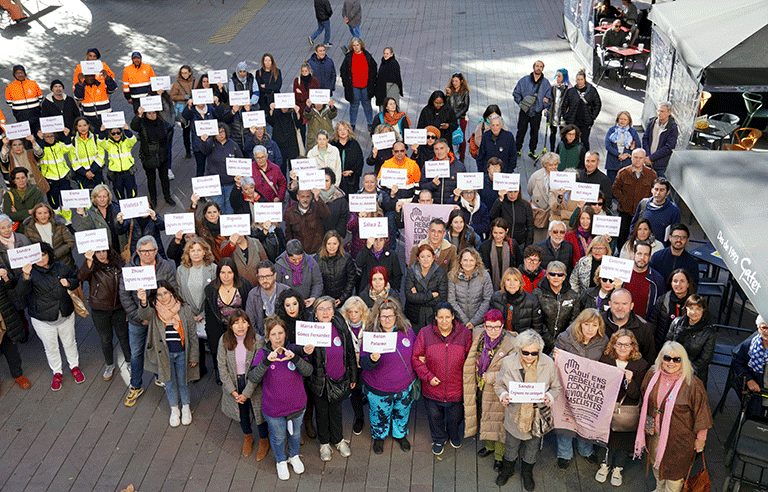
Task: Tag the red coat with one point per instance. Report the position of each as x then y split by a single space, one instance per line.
531 283
302 94
445 359
573 238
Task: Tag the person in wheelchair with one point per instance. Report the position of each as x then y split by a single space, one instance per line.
749 364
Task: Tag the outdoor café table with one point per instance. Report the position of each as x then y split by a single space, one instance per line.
625 53
718 129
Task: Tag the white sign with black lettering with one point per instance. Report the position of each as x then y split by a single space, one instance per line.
160 83
373 227
606 224
92 240
506 182
237 166
217 77
586 192
235 224
416 136
152 103
18 257
52 124
76 198
612 267
134 207
558 180
17 130
520 392
363 202
207 185
469 181
379 343
311 178
113 119
179 222
207 127
285 100
383 141
139 277
319 96
254 118
272 212
303 165
202 96
91 67
239 98
437 169
393 177
313 333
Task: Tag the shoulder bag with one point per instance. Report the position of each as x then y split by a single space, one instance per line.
78 300
416 384
699 482
625 417
528 101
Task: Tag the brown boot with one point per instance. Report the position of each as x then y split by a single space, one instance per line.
261 453
248 444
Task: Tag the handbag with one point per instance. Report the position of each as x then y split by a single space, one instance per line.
540 218
458 135
473 148
78 300
699 482
625 417
528 101
126 254
543 421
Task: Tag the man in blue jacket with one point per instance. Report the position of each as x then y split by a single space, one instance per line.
323 68
659 139
659 209
497 142
537 86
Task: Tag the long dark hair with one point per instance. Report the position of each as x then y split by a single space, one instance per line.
114 260
152 297
230 340
492 108
633 238
280 307
467 236
236 281
435 95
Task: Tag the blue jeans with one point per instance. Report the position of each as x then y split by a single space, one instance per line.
394 408
137 339
177 385
323 26
444 420
223 199
278 434
354 31
360 97
565 447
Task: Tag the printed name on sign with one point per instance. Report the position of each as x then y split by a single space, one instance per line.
558 180
114 119
373 227
384 140
437 169
379 343
506 182
134 207
272 212
311 178
76 198
93 240
207 127
254 118
394 177
303 165
152 103
207 185
160 83
217 76
612 267
179 222
313 333
91 67
52 124
141 277
469 181
202 96
285 100
416 136
238 167
235 224
319 96
585 192
239 98
363 202
606 224
526 392
18 257
17 130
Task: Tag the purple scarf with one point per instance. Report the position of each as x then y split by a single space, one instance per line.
485 356
585 234
297 271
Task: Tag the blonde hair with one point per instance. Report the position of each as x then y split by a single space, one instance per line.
357 302
98 189
599 240
511 272
586 316
346 125
479 266
674 347
207 257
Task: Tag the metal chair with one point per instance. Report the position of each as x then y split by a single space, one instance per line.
726 117
754 104
732 382
746 138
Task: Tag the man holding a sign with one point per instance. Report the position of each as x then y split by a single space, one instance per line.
217 150
24 97
61 107
444 170
400 160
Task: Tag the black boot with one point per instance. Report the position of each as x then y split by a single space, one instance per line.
526 471
507 470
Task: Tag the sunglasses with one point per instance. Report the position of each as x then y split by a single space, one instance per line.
555 274
431 137
676 360
529 354
114 133
606 280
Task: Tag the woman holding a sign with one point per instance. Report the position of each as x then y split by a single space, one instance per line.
426 285
385 359
101 214
21 197
86 156
42 226
198 112
469 288
208 227
13 154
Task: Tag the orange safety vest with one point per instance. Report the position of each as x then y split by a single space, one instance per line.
136 80
23 95
99 76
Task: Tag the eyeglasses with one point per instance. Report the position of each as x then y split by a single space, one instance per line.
625 345
146 251
493 327
387 316
555 274
266 277
324 309
399 151
431 137
558 232
675 236
533 259
606 280
530 354
676 360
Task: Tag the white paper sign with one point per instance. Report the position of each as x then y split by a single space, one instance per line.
319 96
52 124
217 76
238 167
373 227
620 268
313 178
19 257
202 96
562 180
207 185
254 118
383 140
272 212
207 127
363 202
393 177
134 207
113 119
303 165
526 392
506 182
91 67
152 103
585 191
469 181
141 277
239 98
416 136
235 224
379 343
437 169
17 130
75 198
179 222
285 100
93 240
160 83
606 224
313 333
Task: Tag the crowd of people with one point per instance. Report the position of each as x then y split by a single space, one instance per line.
493 294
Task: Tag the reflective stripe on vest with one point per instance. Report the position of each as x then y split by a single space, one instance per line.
52 164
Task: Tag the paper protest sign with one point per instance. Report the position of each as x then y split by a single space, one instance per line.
202 96
160 83
91 67
373 227
379 343
363 202
319 96
235 224
585 192
179 222
94 240
558 180
469 181
217 76
285 100
52 124
437 169
152 103
239 98
416 136
18 257
393 177
303 165
384 140
506 182
237 166
134 207
606 224
312 178
207 127
526 392
114 119
139 277
253 118
313 333
263 212
612 267
207 185
76 198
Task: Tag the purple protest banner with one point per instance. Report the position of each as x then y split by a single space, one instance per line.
416 217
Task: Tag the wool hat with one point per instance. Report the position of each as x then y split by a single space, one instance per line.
432 129
56 81
95 52
242 67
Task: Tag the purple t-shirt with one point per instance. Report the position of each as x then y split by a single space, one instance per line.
283 388
334 356
393 373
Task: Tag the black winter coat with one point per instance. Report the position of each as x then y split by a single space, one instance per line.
564 254
420 307
351 160
559 310
366 261
345 71
668 308
318 381
526 311
519 216
8 310
46 297
339 275
339 216
588 299
698 341
429 116
389 71
571 105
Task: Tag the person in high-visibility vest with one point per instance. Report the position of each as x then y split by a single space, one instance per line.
86 156
120 168
136 80
24 97
54 167
93 95
92 55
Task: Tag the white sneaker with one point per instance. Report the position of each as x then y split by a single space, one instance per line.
282 471
109 371
343 448
159 383
170 175
602 473
325 452
186 415
296 463
616 477
174 421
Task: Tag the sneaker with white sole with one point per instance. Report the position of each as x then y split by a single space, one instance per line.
282 471
186 415
109 371
616 477
171 176
602 473
343 448
325 452
175 419
158 382
296 463
133 395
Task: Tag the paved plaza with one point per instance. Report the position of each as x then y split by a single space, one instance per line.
83 438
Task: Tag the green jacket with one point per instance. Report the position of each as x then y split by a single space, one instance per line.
13 199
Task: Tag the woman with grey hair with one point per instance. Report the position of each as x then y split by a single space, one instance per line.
269 180
528 364
244 196
538 190
297 269
326 155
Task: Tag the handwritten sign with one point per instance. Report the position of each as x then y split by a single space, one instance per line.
416 136
285 100
363 202
75 198
437 169
506 182
141 277
238 167
526 392
152 103
319 96
52 124
383 140
379 343
91 67
263 212
312 178
303 165
179 222
254 118
217 76
207 127
585 191
393 177
93 240
605 224
235 224
134 207
202 96
373 227
612 267
207 185
160 83
17 130
239 98
469 181
114 119
18 257
562 180
313 333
